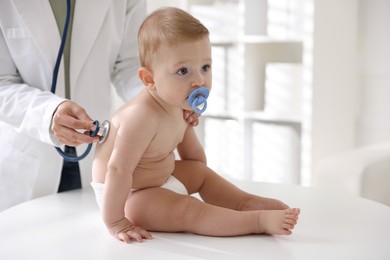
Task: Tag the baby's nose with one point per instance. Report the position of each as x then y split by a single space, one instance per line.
198 80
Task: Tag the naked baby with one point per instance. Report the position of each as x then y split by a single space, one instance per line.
139 184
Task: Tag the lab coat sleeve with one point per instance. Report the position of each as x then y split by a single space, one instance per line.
125 72
26 108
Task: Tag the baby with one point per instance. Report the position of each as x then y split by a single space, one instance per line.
138 183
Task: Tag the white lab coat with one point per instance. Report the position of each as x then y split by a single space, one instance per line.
103 52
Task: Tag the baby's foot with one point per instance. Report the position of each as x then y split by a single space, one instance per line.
278 222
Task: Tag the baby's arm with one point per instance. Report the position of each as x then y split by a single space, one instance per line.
132 135
190 148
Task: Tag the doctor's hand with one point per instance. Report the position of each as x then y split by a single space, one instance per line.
124 230
191 117
69 117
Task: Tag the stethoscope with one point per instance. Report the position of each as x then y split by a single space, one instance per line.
101 130
197 99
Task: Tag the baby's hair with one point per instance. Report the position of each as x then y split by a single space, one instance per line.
167 26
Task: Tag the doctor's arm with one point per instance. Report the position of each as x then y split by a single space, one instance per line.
30 109
27 109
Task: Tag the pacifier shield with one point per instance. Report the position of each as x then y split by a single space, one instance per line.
198 100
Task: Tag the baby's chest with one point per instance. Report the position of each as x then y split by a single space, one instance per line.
171 134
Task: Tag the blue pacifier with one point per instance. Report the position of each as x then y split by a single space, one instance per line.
198 100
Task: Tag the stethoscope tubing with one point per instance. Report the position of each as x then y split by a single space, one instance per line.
61 49
68 157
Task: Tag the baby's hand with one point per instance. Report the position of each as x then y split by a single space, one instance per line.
191 117
124 230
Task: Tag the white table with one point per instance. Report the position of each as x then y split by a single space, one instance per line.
68 226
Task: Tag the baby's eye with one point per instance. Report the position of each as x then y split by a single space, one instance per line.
182 71
206 68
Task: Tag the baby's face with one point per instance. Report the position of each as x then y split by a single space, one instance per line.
181 68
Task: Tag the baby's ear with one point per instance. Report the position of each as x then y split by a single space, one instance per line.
146 76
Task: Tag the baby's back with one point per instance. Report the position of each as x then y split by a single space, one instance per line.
157 161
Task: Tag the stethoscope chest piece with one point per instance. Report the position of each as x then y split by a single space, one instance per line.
101 131
104 129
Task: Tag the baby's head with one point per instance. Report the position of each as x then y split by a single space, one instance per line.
167 26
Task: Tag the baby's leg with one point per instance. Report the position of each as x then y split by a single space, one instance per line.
158 209
215 190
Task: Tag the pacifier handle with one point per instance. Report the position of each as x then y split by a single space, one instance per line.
198 100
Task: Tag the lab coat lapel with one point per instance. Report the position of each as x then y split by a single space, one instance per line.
39 20
87 21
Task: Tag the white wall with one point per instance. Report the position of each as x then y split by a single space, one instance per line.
335 87
155 4
373 125
351 89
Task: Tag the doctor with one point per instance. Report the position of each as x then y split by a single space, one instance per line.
102 51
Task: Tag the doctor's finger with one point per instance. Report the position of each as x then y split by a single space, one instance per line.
67 128
73 116
73 138
67 141
80 113
80 124
73 109
68 121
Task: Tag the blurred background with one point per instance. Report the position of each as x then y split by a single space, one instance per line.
295 82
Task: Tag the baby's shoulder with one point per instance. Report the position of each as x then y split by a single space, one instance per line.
137 114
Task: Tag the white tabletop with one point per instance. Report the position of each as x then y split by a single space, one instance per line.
68 226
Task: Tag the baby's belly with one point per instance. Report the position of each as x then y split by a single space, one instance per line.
153 173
